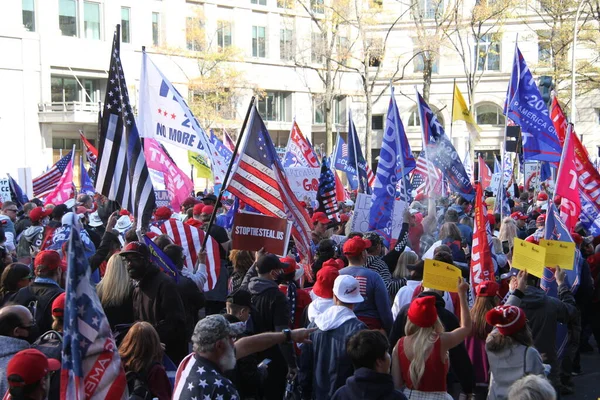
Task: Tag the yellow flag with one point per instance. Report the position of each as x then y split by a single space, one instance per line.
461 111
200 165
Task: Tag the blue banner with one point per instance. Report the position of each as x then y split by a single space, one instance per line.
159 258
86 185
355 157
525 106
440 151
340 162
589 217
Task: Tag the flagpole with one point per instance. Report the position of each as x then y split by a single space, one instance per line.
355 134
226 179
73 169
452 112
402 180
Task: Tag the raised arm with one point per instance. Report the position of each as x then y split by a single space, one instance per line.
454 338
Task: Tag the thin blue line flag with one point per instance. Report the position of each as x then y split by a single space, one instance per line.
355 156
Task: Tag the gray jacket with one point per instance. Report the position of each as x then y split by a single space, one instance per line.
9 346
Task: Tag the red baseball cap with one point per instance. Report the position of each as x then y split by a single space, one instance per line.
198 209
58 305
39 213
189 202
291 264
49 259
208 210
518 215
28 367
163 213
320 217
487 289
508 319
542 196
577 238
420 196
136 248
541 219
356 245
323 287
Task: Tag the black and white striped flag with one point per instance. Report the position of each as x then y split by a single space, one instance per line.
122 174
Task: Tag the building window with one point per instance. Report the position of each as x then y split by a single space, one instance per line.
414 120
317 47
223 34
125 24
544 48
343 50
28 14
259 41
286 44
193 34
67 17
91 20
338 109
276 106
65 89
375 47
488 51
287 4
377 122
419 61
259 2
489 114
317 6
155 28
428 9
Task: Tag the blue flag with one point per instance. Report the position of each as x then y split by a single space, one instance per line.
589 217
86 185
220 147
162 260
340 162
545 172
231 213
440 151
355 157
392 167
326 193
525 106
16 193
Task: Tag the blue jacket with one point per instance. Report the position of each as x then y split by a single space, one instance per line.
324 364
377 302
366 384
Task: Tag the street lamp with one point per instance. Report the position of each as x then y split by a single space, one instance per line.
573 110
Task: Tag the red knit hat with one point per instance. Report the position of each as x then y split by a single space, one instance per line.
163 213
324 285
422 311
58 305
487 289
508 319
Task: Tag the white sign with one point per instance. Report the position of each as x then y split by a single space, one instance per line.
495 181
531 175
304 182
362 208
4 190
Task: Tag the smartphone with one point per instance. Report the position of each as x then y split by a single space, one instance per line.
264 363
505 247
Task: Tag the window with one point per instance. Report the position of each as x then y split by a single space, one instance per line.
377 122
428 9
287 4
155 28
125 24
276 106
28 14
544 48
259 2
488 52
597 112
286 44
223 34
259 41
317 47
66 89
338 109
375 48
67 17
489 114
91 20
415 119
421 56
317 6
193 34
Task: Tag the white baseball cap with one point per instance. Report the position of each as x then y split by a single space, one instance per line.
123 223
95 220
349 203
347 289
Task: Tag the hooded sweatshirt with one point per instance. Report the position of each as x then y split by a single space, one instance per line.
9 232
367 384
318 306
32 236
9 346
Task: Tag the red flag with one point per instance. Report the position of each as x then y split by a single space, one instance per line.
485 174
64 190
340 193
558 120
482 267
566 183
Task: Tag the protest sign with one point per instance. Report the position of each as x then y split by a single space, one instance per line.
255 231
362 209
530 170
304 182
440 275
559 253
529 256
162 198
4 190
495 182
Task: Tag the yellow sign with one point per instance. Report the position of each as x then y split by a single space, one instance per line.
200 164
440 275
529 256
559 253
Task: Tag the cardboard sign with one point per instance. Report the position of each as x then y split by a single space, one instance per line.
4 190
495 182
254 231
529 256
440 275
362 208
304 182
559 253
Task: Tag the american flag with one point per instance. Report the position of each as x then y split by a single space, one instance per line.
421 179
228 142
91 366
44 184
326 195
190 238
259 181
370 177
91 153
122 173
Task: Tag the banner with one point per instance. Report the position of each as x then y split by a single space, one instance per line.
4 190
254 231
482 267
340 162
566 184
531 175
362 209
441 276
299 152
304 182
162 198
200 164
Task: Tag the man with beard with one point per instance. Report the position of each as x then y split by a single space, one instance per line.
200 374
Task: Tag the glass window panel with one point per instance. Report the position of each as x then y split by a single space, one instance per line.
67 17
155 28
125 24
29 14
91 20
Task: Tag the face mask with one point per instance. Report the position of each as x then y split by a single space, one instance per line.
33 333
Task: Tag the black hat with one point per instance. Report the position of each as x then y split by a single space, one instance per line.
59 211
240 298
268 263
213 198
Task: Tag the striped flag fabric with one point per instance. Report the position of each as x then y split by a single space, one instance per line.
259 181
91 153
299 152
426 177
16 193
339 160
122 173
190 239
65 189
228 142
326 195
91 366
44 184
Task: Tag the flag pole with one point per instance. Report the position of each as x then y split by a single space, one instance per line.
229 167
452 111
355 134
402 180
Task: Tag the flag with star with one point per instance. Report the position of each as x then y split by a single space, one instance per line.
340 162
122 174
440 151
91 366
356 159
326 195
299 152
524 105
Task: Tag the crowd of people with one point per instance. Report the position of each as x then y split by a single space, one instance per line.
356 322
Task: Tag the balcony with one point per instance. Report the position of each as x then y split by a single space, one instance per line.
69 112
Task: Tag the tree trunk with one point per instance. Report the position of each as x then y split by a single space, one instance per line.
427 70
369 128
329 89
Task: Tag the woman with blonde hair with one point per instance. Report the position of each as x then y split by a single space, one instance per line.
141 356
115 292
420 359
406 258
508 233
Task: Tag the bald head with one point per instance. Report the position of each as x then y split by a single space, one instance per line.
15 321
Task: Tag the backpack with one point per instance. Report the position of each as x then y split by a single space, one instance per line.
137 384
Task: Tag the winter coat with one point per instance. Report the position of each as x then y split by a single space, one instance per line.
31 237
366 384
44 294
9 346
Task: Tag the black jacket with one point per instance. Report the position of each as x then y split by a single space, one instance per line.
246 377
44 294
103 251
461 369
120 314
366 384
156 300
193 301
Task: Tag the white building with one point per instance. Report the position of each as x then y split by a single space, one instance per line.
56 52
